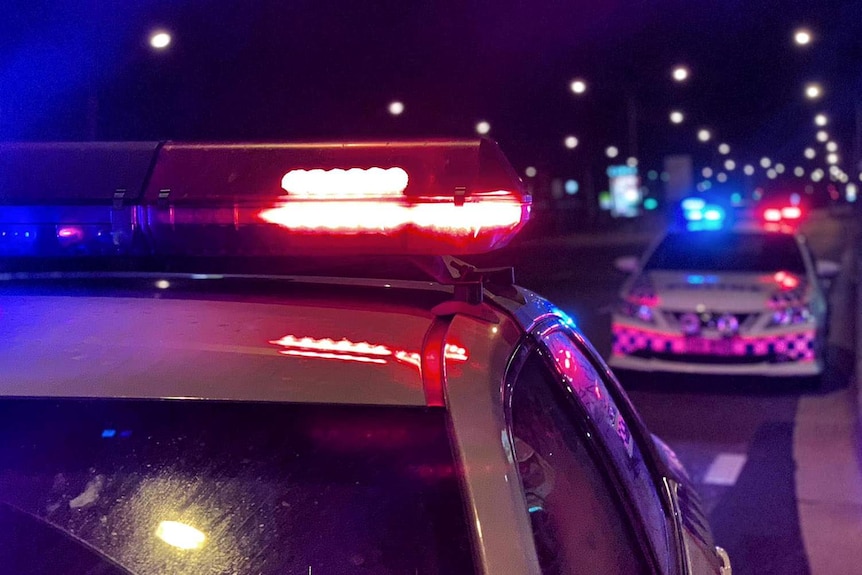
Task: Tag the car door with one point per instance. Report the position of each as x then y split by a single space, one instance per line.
593 503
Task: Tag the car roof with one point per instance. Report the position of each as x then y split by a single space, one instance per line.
322 340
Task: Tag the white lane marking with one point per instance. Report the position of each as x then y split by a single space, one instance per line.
725 469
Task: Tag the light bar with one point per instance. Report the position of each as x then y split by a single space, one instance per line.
271 200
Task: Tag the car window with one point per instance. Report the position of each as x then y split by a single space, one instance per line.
733 252
205 487
611 425
579 523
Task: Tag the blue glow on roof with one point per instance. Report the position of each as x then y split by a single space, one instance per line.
109 432
698 279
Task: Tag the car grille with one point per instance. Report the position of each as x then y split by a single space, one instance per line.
709 320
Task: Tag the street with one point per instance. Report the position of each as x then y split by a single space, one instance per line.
772 459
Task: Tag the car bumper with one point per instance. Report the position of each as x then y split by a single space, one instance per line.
789 369
787 352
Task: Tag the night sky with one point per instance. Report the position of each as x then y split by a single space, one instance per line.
311 69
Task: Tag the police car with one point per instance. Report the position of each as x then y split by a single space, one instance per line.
266 359
725 298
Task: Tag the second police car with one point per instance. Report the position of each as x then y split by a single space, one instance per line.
224 358
726 298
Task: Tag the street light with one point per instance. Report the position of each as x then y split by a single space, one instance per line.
680 73
822 136
704 135
813 91
798 171
810 153
748 169
632 162
483 128
530 172
831 147
677 117
729 165
821 120
396 108
802 37
721 177
160 39
706 172
571 142
765 162
779 168
612 151
832 158
578 86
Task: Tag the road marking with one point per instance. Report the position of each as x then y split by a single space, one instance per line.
725 469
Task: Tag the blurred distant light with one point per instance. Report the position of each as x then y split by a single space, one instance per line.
723 149
572 187
632 162
612 152
396 108
530 172
765 162
821 120
794 199
729 165
860 176
677 117
779 168
160 39
748 169
571 142
850 192
665 177
834 170
771 174
798 171
813 91
831 147
650 204
832 158
680 73
704 135
757 194
817 175
652 175
721 177
707 172
802 37
735 198
483 127
822 136
578 86
810 153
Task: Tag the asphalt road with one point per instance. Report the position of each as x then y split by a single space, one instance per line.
735 436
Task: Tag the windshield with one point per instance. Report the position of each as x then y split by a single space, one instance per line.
215 487
731 252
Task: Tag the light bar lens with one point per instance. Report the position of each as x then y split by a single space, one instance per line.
355 183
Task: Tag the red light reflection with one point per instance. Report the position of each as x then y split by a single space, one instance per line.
363 352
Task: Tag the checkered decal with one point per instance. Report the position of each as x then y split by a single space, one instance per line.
793 346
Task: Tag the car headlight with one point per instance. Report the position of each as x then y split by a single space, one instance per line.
790 315
636 310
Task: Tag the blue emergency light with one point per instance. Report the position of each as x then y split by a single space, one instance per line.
702 216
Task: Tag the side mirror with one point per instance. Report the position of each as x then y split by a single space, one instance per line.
626 264
827 269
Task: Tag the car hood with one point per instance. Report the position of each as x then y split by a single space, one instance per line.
725 291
